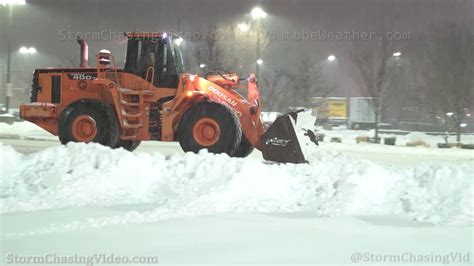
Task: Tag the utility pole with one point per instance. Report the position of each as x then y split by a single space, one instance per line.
9 86
257 65
258 14
8 89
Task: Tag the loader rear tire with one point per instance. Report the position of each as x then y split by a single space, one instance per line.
88 120
129 145
244 148
209 125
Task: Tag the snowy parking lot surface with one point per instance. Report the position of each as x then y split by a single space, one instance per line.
351 199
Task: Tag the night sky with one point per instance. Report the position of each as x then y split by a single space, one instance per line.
43 23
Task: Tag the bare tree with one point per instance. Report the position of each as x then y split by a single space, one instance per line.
206 50
375 68
275 87
283 88
226 47
239 48
450 71
308 81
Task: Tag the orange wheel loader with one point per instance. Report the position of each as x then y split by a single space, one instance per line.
152 98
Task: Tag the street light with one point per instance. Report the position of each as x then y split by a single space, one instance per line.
202 65
9 86
258 13
397 54
24 50
243 27
331 58
12 2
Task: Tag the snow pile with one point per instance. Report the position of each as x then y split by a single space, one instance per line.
417 137
6 115
9 161
269 116
24 130
79 175
442 194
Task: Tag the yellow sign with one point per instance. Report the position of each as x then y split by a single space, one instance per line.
337 108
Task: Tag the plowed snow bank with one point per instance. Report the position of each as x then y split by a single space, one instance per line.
80 175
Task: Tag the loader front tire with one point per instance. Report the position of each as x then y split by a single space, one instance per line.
209 125
129 145
88 120
244 148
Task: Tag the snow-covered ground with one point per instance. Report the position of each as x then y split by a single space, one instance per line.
72 175
30 131
249 239
80 175
368 199
205 208
24 130
349 136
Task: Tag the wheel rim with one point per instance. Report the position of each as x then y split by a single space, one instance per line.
84 128
206 132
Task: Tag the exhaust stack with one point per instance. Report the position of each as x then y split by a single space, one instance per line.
84 52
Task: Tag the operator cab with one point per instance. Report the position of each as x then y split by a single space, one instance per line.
157 51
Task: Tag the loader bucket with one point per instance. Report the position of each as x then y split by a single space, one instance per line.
280 142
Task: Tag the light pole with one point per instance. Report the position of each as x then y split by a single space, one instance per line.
24 51
331 71
12 2
8 90
258 14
